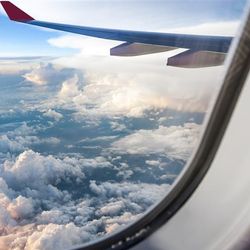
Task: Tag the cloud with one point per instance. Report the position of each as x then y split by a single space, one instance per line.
41 74
47 73
23 130
47 237
57 237
115 86
112 208
98 138
37 208
112 224
153 163
7 145
220 28
131 94
24 136
135 191
53 114
116 126
21 207
19 65
40 214
176 142
50 140
69 88
36 176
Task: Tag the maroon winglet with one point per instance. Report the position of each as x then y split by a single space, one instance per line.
15 13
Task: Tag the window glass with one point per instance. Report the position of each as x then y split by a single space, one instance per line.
88 141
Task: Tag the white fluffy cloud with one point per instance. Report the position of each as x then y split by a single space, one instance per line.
43 171
21 143
41 74
175 142
116 126
7 145
29 184
49 237
20 207
131 94
47 74
53 114
24 136
153 163
129 86
69 88
126 189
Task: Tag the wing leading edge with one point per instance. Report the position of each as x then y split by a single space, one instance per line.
203 51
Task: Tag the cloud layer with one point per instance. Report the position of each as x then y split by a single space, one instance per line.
176 142
127 154
38 212
119 143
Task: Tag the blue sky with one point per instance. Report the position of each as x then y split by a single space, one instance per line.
21 40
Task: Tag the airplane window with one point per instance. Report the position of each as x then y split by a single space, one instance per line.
97 124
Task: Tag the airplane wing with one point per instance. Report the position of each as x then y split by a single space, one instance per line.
203 51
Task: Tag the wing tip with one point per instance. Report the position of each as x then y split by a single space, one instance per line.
14 13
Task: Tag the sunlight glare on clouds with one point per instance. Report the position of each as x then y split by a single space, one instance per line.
69 88
41 74
136 88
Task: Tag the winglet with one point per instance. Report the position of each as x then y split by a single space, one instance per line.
15 13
